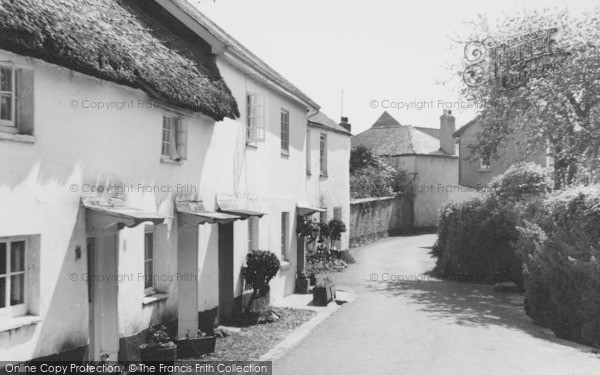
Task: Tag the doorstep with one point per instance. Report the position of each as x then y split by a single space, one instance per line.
304 301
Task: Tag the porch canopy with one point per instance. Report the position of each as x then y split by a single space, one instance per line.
237 206
195 214
103 214
306 209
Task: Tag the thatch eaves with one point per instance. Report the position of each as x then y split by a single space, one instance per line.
119 41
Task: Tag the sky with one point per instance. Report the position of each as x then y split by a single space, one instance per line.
383 54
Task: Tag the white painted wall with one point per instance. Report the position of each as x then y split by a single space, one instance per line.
332 190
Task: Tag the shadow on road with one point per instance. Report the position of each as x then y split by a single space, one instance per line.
467 304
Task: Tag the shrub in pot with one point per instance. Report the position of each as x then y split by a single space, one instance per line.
159 347
261 266
195 346
323 292
302 283
313 279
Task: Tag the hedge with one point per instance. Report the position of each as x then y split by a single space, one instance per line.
560 246
475 242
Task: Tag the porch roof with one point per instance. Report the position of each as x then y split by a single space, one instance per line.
305 209
104 213
197 209
243 213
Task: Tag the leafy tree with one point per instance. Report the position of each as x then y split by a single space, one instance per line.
370 176
550 102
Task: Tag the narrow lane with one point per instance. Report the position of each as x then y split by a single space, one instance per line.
404 322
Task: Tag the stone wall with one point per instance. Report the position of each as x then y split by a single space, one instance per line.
375 218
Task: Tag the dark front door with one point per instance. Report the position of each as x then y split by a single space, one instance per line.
225 272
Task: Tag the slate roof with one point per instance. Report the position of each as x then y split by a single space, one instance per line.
319 118
388 137
120 41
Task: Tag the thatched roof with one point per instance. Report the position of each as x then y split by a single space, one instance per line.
121 41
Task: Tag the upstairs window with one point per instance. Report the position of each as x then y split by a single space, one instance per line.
323 154
255 113
285 131
16 100
174 138
484 163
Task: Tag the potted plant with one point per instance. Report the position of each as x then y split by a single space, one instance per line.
302 283
310 231
336 228
323 292
159 347
313 279
261 266
195 346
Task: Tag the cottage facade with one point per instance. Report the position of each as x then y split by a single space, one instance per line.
130 196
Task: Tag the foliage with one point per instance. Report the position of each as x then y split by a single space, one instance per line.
560 246
158 338
261 266
309 229
475 242
336 228
325 282
556 108
521 181
370 176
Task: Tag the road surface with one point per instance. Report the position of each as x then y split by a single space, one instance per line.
403 322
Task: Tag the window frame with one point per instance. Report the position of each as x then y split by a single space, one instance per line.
285 230
149 230
13 311
255 118
11 126
284 131
179 138
483 165
323 153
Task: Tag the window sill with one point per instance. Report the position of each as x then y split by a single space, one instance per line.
324 175
168 160
22 138
153 298
284 265
285 154
252 145
18 322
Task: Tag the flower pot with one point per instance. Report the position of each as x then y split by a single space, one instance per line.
166 354
195 347
302 286
313 280
322 295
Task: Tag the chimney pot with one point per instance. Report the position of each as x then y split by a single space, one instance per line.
447 128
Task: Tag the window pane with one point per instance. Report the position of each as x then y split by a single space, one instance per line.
148 246
148 275
5 79
2 258
17 289
6 107
17 256
2 292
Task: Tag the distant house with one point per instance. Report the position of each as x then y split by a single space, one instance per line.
476 173
328 169
427 155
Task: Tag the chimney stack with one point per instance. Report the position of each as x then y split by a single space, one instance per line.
345 124
447 128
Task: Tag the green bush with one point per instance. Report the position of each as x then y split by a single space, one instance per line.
475 242
520 182
560 246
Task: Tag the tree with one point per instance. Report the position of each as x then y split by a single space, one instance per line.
545 98
370 176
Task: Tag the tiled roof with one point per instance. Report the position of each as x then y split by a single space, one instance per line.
434 132
322 119
388 137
